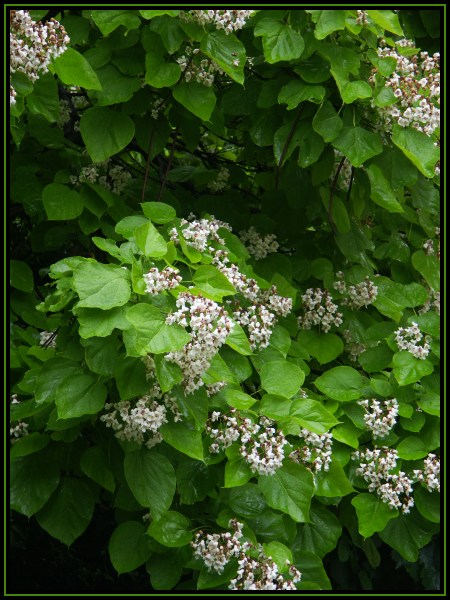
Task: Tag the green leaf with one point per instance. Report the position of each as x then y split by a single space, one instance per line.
321 535
73 69
323 346
312 415
61 203
327 122
411 448
237 472
428 504
80 395
313 573
21 276
275 407
105 132
290 490
333 482
167 373
184 438
69 511
354 90
285 44
151 478
94 463
408 533
341 383
429 267
171 33
408 369
328 22
95 322
358 144
129 547
48 380
195 480
171 530
280 554
33 442
131 378
225 49
101 286
108 20
149 241
296 92
158 212
247 501
149 14
102 355
386 19
381 192
197 98
211 281
159 73
418 147
375 359
430 403
238 399
281 377
239 341
44 98
33 479
373 514
165 570
115 87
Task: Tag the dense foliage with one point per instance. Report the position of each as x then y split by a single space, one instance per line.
225 288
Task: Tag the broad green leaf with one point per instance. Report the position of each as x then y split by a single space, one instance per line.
327 122
129 547
69 511
94 463
195 480
280 554
333 482
171 530
151 478
131 378
227 51
80 395
105 132
165 570
95 322
101 286
386 19
381 192
430 403
169 29
313 574
44 98
312 415
428 504
159 73
21 276
358 144
429 267
341 383
373 514
197 98
29 444
290 490
411 448
158 212
102 355
237 472
149 241
108 20
418 147
328 22
286 44
238 399
48 380
409 369
128 225
275 407
150 14
168 338
238 340
61 203
408 533
375 359
115 87
354 90
184 438
211 281
167 373
323 346
296 92
281 377
73 69
321 535
247 501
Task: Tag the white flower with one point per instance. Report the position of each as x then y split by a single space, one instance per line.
158 281
380 416
409 339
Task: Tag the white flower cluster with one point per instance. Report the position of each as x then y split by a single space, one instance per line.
433 303
220 181
260 573
47 339
319 310
259 246
198 232
375 467
416 84
209 327
33 45
316 453
431 473
409 338
158 281
114 178
202 71
356 296
262 447
156 108
228 20
380 417
136 421
361 17
64 113
19 431
353 346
